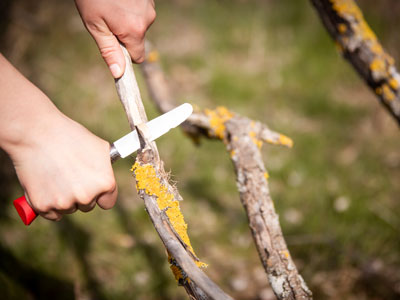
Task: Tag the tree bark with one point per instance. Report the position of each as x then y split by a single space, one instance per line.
243 139
359 45
153 186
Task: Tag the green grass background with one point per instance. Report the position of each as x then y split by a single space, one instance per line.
268 60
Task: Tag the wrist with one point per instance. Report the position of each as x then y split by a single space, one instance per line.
27 127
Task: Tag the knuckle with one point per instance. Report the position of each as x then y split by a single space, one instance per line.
108 51
82 197
152 15
42 206
139 28
63 204
109 184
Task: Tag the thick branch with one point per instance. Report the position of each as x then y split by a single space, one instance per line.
360 46
243 139
181 255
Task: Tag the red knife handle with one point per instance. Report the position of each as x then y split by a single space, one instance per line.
25 211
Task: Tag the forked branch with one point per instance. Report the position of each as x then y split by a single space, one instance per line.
243 139
161 199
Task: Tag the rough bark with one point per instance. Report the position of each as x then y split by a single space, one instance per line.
243 139
360 46
181 256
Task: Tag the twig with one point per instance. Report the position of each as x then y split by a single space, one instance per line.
360 46
154 189
243 139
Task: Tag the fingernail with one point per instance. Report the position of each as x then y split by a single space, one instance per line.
115 70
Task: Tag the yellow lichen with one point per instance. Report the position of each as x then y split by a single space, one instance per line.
255 140
286 253
388 95
286 141
177 272
393 83
218 117
282 140
377 65
147 180
232 153
153 56
378 90
342 28
266 175
348 10
377 48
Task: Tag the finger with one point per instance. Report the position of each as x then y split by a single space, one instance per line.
51 215
87 207
136 50
107 200
134 39
68 211
110 49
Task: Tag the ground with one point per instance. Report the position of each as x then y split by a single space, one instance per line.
336 190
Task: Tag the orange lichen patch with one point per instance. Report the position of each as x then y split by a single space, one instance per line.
147 180
388 95
282 140
342 28
286 253
177 272
255 140
346 7
286 141
379 90
153 56
218 117
232 153
266 175
393 83
377 65
348 10
377 48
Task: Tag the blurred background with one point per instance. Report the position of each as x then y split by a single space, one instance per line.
337 191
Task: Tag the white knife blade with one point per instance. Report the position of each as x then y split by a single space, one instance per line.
157 127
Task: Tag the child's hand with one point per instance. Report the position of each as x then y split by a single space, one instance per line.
63 167
114 21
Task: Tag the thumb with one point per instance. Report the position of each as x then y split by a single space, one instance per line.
111 51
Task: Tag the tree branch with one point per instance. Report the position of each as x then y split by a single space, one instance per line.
160 198
360 46
243 139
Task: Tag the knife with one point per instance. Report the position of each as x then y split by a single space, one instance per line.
123 147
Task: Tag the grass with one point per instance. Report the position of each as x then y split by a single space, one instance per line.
271 61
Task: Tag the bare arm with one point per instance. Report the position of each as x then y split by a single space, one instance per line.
60 164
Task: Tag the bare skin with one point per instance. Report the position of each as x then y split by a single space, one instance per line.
110 22
59 163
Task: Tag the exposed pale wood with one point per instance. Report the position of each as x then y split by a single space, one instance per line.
252 184
197 285
129 94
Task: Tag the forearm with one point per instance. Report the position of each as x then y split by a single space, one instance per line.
24 108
